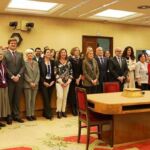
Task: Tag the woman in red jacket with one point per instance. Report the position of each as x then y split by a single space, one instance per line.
4 100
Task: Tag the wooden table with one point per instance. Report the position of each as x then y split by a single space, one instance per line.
131 116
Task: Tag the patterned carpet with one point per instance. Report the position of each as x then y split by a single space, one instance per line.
58 134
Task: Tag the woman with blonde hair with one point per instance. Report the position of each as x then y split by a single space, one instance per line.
31 81
63 72
90 71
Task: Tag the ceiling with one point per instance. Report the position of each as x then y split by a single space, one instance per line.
86 9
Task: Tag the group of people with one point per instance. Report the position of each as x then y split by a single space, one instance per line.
121 68
46 71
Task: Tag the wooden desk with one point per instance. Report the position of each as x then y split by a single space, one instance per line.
131 116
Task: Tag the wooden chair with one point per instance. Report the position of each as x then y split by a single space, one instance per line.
110 87
90 118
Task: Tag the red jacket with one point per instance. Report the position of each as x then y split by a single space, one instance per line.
148 73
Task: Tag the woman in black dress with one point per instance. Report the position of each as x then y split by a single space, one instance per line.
76 62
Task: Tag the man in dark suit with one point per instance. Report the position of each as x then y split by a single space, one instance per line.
118 68
103 67
15 68
38 54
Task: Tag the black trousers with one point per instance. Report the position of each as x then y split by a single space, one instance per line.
142 87
46 93
72 97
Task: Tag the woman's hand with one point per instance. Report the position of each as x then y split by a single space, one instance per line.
52 82
46 84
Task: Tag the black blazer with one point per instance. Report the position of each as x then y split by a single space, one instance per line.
103 67
43 71
116 70
76 67
40 59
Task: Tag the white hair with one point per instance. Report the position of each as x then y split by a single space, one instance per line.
28 51
100 48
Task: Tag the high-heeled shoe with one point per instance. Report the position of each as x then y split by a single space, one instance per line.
9 119
64 114
59 115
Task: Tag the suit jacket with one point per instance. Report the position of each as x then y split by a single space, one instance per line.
31 74
103 67
14 67
116 70
40 59
43 71
89 73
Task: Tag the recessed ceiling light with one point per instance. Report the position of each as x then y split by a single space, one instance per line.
31 5
111 13
144 7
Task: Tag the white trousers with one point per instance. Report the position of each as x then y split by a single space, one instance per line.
62 94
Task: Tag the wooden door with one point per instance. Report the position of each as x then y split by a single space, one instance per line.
94 41
89 41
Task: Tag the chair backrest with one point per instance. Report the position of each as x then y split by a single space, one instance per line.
109 87
81 96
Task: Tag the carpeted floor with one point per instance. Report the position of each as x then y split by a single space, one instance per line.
58 134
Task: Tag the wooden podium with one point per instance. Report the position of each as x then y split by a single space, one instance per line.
131 116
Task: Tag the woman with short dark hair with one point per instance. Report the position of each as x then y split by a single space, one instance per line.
141 72
47 80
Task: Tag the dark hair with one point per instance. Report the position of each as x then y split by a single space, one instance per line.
60 53
106 51
12 39
140 55
37 48
45 50
125 52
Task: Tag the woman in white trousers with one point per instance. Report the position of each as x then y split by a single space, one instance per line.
63 72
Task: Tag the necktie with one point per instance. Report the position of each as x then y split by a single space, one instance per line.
14 57
101 60
119 60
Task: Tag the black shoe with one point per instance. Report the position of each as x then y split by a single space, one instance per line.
29 118
74 112
9 120
59 115
18 120
48 117
64 114
33 117
2 124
